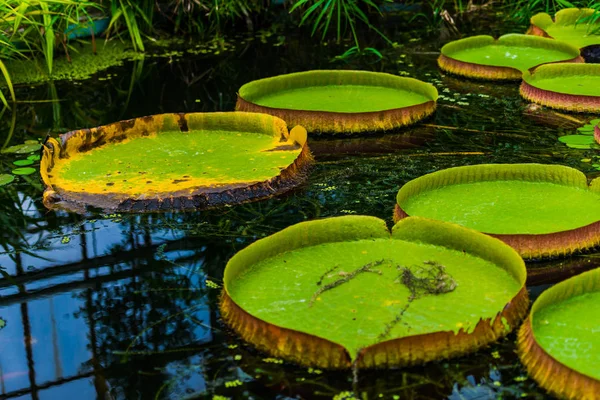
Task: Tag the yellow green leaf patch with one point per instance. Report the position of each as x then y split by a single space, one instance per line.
156 159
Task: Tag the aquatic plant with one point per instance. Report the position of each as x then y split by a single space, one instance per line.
505 58
344 14
174 161
558 342
572 87
415 294
39 26
503 200
340 101
579 27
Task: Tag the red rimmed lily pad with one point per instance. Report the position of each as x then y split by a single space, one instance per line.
559 342
540 210
343 292
330 101
505 58
572 87
174 161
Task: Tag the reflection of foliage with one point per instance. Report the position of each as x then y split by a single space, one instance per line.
2 323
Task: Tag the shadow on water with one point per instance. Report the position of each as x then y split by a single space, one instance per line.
126 306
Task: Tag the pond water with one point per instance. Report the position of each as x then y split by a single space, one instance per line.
126 306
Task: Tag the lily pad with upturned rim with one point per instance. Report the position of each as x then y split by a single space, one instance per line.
559 342
540 210
568 26
174 161
330 101
573 87
506 58
274 293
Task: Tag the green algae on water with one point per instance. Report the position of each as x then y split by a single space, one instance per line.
84 63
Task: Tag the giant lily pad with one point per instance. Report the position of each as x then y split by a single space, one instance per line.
568 26
573 87
540 210
345 291
559 342
340 101
506 58
174 161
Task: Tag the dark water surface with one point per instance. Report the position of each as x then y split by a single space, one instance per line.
125 306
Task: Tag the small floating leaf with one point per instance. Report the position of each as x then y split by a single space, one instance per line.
586 129
577 139
23 171
34 157
595 122
23 148
5 179
23 163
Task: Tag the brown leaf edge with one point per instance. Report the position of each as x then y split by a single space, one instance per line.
202 198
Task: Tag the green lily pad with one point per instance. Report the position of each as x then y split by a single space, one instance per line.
569 27
341 290
508 57
219 158
526 205
594 122
340 101
23 171
586 130
34 157
559 343
572 87
5 179
580 140
23 148
22 163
